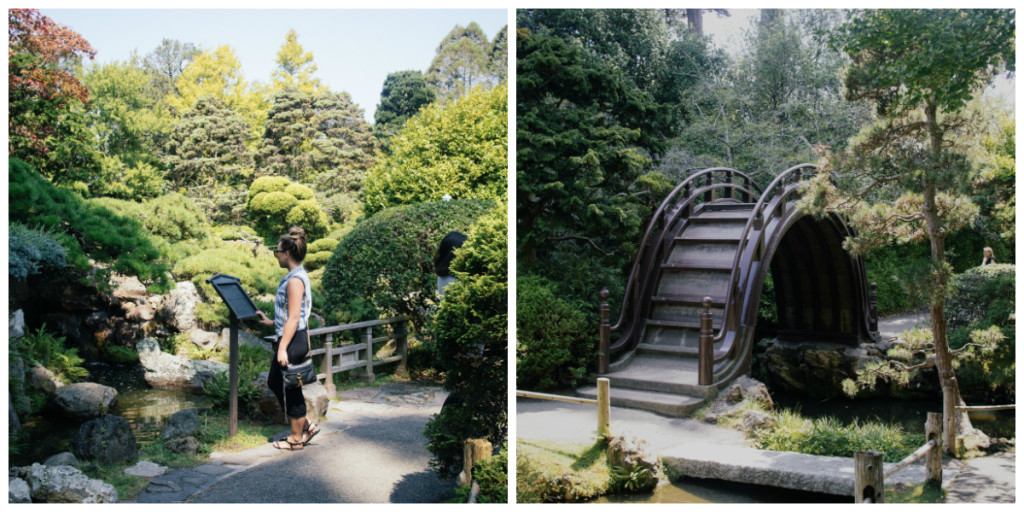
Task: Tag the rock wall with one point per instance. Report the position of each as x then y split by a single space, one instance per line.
818 369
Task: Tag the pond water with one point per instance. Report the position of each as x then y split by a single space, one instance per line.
146 409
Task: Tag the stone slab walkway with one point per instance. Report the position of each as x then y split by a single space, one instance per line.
370 450
787 470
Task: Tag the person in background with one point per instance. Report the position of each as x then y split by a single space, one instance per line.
444 257
989 257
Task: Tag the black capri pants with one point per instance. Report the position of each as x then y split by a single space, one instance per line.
297 351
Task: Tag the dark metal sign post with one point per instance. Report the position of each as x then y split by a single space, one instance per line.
242 308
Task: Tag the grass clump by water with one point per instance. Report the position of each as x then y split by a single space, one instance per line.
560 472
828 436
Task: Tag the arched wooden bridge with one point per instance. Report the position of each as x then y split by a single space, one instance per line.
717 235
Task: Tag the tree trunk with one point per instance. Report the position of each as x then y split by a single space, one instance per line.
937 302
695 18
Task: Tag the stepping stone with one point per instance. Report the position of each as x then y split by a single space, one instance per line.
146 469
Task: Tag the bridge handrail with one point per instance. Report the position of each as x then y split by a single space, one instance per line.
645 258
779 187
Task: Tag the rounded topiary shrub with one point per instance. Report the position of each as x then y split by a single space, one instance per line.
554 346
978 299
385 265
471 331
275 203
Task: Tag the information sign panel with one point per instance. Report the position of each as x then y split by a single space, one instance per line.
230 289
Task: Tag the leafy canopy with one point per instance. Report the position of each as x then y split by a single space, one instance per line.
459 149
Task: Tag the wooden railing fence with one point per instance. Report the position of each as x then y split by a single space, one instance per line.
352 356
603 403
869 473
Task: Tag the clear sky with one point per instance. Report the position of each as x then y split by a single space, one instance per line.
354 50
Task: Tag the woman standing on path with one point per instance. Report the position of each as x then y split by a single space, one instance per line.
292 305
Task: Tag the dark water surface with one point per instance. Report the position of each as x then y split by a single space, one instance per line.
146 409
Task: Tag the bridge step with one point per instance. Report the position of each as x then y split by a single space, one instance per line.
691 300
720 252
667 350
649 372
724 215
728 206
661 403
713 231
692 281
686 323
714 266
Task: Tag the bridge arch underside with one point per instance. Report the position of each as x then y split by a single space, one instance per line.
820 290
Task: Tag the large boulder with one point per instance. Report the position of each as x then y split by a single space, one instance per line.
85 399
65 484
244 338
127 287
204 340
757 420
165 370
18 491
16 325
183 445
817 369
146 469
41 378
179 309
315 394
181 424
633 455
108 440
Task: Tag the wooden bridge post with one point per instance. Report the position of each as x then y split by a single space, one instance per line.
873 307
604 407
868 477
402 345
728 181
369 377
706 347
606 333
328 365
933 460
689 204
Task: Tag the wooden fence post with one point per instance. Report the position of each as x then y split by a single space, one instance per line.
402 346
933 460
604 407
328 365
606 333
473 450
369 377
705 359
868 477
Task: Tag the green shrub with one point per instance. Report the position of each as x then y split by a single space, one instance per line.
459 149
472 342
323 244
553 348
555 472
251 361
175 217
275 203
231 233
978 299
385 265
828 436
492 475
316 260
32 250
94 231
43 348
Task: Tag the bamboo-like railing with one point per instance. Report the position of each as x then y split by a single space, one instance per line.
603 403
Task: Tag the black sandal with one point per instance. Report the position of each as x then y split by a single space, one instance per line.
291 446
311 430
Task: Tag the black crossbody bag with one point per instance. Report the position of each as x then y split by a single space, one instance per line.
295 375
